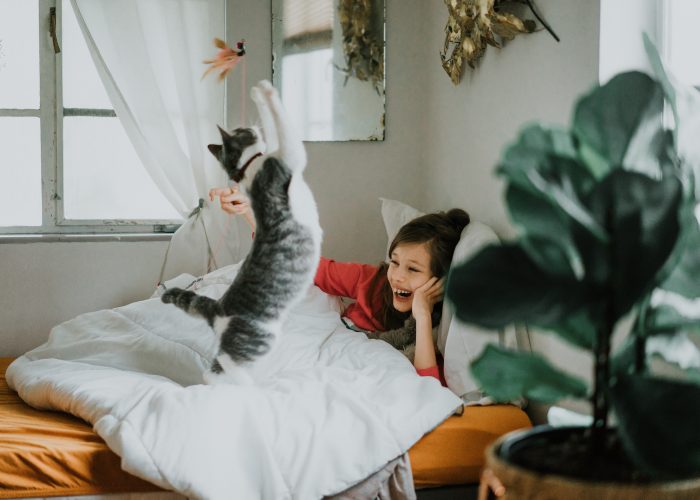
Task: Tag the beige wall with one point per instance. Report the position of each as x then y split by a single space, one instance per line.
532 78
441 145
44 284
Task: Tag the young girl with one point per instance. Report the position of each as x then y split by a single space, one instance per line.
399 301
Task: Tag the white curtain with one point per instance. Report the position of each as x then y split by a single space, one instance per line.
149 55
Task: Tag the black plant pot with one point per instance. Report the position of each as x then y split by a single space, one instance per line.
566 463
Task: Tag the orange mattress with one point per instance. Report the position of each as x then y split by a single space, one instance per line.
44 453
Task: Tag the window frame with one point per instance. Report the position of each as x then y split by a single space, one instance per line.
51 114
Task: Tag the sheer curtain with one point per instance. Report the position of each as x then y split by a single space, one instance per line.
149 55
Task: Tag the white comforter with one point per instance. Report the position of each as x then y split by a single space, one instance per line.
330 407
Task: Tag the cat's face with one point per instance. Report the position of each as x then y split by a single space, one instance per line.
237 150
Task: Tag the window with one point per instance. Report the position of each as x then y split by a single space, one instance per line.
669 23
66 164
682 38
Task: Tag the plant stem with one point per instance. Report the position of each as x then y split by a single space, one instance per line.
541 20
601 378
601 351
640 339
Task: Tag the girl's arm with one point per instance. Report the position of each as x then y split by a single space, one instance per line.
424 300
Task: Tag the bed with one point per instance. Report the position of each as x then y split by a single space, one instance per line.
49 454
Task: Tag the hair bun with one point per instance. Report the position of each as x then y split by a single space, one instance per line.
458 218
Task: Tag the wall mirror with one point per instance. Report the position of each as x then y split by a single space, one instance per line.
328 64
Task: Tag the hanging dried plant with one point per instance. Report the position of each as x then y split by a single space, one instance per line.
364 53
474 24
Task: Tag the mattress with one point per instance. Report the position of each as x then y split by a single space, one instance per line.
44 453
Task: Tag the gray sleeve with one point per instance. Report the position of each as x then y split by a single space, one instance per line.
400 337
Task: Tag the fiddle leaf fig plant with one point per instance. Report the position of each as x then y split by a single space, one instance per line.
607 215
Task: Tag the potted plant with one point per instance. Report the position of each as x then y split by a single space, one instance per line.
607 212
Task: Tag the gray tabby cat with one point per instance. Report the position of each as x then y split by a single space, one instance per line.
282 262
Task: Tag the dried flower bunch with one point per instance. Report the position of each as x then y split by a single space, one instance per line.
364 53
474 24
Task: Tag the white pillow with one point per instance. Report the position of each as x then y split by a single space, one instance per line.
395 214
459 343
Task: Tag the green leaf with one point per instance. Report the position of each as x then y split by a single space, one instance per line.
658 423
651 150
683 279
624 359
506 375
501 285
535 146
547 234
555 257
675 304
579 327
543 162
607 119
641 215
673 314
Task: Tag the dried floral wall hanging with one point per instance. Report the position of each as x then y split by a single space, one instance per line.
474 24
364 53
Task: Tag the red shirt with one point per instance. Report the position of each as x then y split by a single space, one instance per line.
352 280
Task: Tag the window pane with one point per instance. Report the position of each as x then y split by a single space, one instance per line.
102 176
685 39
19 54
20 172
307 88
82 87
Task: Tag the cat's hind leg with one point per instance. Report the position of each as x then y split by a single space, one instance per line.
225 371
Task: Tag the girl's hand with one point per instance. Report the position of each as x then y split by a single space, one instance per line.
426 296
232 201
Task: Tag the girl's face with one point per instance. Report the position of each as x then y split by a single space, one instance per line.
409 268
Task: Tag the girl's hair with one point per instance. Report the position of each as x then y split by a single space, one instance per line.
440 232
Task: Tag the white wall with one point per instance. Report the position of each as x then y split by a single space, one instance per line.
621 25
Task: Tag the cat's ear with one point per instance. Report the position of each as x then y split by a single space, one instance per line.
215 150
224 135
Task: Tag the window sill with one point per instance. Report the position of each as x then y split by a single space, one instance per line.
76 237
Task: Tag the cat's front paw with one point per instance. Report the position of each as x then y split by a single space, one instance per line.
266 87
269 92
256 94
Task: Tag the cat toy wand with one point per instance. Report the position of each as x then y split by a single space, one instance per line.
224 61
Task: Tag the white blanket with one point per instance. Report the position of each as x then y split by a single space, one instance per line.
330 407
